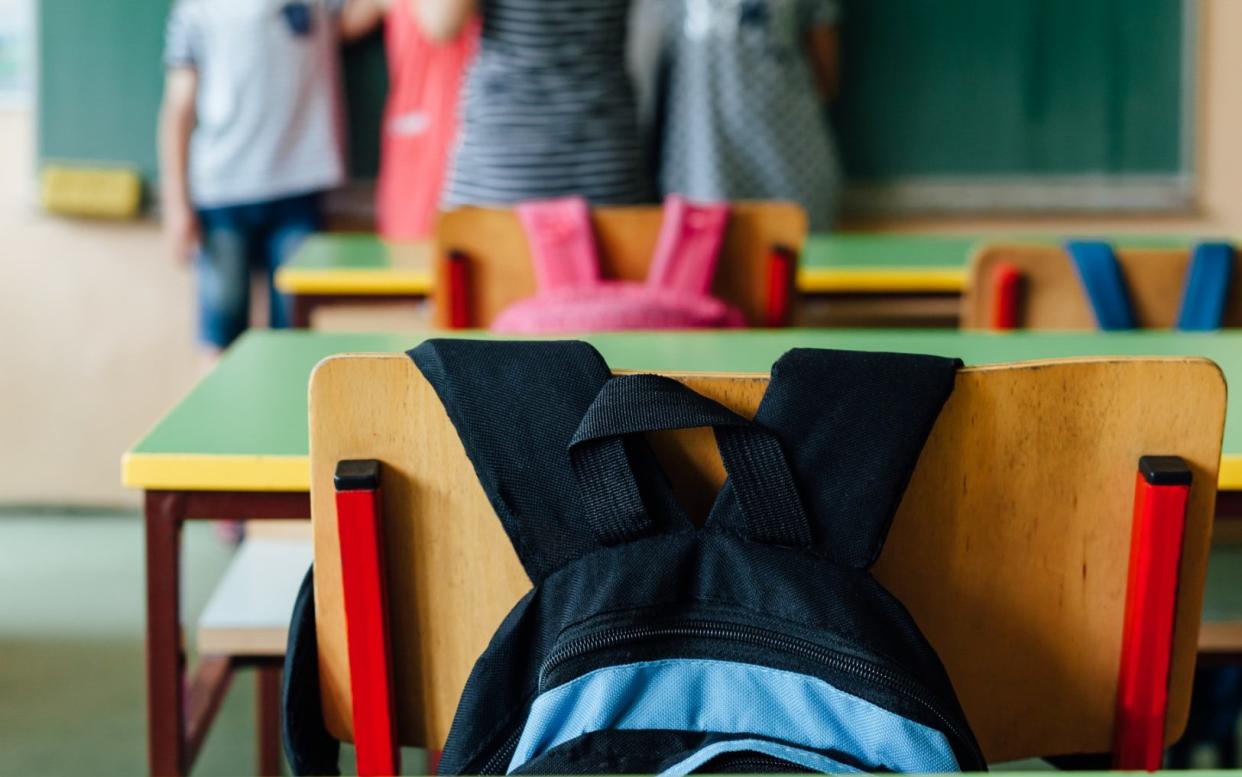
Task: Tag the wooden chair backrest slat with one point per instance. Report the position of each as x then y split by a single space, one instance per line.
501 272
1052 296
1010 547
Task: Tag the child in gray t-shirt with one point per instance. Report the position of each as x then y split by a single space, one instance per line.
744 114
250 136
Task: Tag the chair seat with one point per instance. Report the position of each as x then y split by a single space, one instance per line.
248 613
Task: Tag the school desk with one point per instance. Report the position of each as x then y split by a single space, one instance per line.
358 268
353 268
884 275
236 448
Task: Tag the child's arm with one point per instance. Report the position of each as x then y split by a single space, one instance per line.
442 20
824 48
359 17
175 125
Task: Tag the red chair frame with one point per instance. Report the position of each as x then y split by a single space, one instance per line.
1007 288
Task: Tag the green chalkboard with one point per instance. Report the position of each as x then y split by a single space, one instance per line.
1012 87
1012 90
100 80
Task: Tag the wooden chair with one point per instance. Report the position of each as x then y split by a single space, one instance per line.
483 265
1012 549
1037 287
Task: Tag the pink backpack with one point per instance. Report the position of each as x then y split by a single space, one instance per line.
572 297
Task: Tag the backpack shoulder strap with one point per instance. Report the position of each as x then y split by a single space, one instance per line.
852 425
1103 283
1207 287
516 407
562 242
688 247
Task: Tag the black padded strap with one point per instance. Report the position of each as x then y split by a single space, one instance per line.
515 406
759 478
853 425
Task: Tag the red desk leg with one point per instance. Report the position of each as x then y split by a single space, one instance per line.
1006 297
302 307
180 709
1162 489
459 290
782 263
267 719
366 617
166 720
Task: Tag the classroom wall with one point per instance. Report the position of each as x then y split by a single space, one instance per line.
95 340
96 336
1218 128
1220 113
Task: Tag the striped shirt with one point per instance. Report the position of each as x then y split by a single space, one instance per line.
548 109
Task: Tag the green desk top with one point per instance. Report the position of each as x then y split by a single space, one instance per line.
870 251
351 264
866 251
254 402
342 251
842 250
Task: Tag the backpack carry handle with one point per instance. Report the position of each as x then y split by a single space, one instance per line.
759 500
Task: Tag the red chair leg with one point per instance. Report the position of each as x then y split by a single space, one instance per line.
366 617
459 290
1162 489
1006 297
781 266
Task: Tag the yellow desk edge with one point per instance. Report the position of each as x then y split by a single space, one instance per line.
201 472
292 280
811 280
192 472
880 280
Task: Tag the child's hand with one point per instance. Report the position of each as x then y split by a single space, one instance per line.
181 231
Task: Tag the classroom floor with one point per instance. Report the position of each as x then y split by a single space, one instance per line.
71 656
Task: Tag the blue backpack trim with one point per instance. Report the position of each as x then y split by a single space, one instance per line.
1103 283
1207 286
814 762
727 696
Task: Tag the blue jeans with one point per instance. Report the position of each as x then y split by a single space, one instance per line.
238 239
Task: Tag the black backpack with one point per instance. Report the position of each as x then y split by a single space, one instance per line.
758 642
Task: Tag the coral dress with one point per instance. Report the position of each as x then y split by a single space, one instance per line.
420 123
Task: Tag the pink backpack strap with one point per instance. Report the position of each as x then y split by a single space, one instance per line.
689 245
562 243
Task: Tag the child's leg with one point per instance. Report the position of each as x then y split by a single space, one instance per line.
223 271
290 221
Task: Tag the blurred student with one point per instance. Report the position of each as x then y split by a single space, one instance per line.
548 108
420 122
745 102
250 138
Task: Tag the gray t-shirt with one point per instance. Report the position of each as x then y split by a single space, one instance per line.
269 109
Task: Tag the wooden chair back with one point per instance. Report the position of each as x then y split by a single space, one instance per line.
1010 548
1051 295
500 273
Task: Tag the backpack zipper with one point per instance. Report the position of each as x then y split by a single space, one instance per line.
499 762
762 638
750 763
